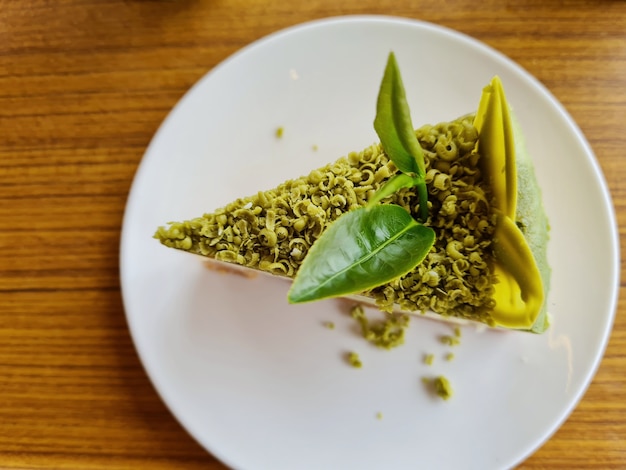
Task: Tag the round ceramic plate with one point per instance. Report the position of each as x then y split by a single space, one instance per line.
265 385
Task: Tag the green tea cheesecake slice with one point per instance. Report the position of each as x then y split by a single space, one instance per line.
488 262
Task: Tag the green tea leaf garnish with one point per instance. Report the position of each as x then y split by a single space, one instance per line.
393 123
372 245
397 135
361 250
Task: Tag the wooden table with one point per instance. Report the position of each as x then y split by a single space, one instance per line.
83 87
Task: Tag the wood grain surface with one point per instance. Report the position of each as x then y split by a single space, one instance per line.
84 84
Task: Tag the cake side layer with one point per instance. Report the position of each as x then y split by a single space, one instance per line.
532 219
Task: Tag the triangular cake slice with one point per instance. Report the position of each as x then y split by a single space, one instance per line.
489 261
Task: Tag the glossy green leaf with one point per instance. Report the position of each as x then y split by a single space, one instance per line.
395 183
362 249
393 123
399 181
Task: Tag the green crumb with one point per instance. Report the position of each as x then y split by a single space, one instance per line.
450 340
387 333
279 132
330 325
314 147
354 360
442 387
457 332
428 359
449 356
379 416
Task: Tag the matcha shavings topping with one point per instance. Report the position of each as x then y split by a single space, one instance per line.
273 230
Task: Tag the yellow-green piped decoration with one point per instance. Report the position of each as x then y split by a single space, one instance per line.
519 294
496 145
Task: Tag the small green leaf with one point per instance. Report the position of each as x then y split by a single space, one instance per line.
362 249
399 181
393 123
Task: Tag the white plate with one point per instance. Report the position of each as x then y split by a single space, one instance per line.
264 385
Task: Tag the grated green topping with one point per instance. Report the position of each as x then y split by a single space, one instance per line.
273 230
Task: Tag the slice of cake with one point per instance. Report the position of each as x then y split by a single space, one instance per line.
488 261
